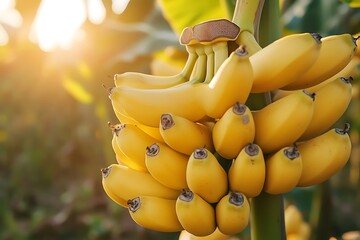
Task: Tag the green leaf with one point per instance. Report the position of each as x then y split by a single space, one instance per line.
187 13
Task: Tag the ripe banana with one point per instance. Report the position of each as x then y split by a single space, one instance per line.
147 105
121 201
283 61
247 172
120 156
155 213
205 176
335 53
124 119
331 102
324 156
125 183
147 81
283 171
232 213
233 131
167 165
184 135
231 83
281 123
132 141
196 215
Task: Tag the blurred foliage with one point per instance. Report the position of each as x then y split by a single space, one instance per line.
54 111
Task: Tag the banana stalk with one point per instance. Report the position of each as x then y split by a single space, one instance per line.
267 211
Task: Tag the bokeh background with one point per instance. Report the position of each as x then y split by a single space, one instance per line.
57 61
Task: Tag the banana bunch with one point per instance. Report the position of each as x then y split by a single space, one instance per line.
191 149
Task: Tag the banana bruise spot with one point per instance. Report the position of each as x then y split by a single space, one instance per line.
209 32
134 204
167 121
312 95
152 150
317 37
236 198
105 172
252 149
347 80
200 153
343 131
186 195
239 109
292 152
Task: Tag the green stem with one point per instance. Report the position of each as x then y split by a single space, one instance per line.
247 15
267 217
267 211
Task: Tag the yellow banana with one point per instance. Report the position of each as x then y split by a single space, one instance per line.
155 213
121 158
281 123
283 171
335 53
205 176
124 119
324 156
293 219
331 102
121 201
122 182
167 165
132 141
233 131
147 105
283 61
216 235
232 213
247 171
140 80
231 83
184 135
196 215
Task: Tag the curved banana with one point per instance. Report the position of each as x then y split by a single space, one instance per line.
124 119
167 165
234 130
324 156
119 200
147 105
331 102
205 176
247 172
184 135
283 61
122 182
283 170
147 81
335 53
196 215
155 213
232 213
132 141
216 235
121 158
231 83
281 123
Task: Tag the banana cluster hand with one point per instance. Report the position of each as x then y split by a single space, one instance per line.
192 150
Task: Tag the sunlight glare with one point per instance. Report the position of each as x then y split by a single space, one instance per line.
119 6
96 11
57 23
8 16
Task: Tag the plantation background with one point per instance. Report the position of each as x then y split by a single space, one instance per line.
54 110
